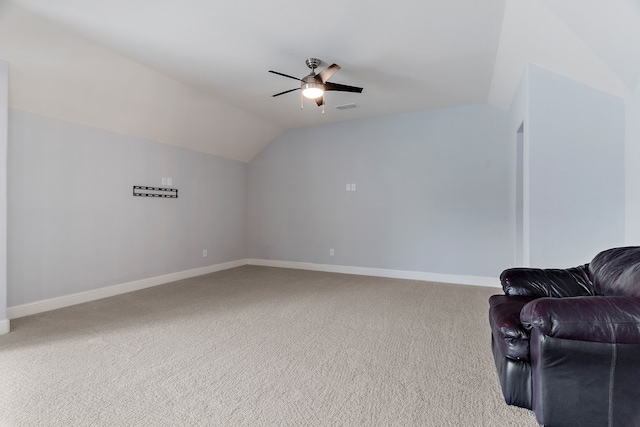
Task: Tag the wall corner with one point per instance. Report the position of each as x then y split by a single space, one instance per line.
5 326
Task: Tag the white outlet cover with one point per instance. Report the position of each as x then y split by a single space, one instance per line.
348 187
164 181
170 181
353 187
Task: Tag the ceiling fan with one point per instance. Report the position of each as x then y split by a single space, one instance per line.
314 85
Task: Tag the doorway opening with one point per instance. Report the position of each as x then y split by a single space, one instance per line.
519 232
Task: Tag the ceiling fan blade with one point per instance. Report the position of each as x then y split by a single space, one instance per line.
328 72
285 75
286 91
342 88
320 101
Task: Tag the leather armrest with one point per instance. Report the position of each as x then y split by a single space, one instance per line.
508 333
549 282
589 318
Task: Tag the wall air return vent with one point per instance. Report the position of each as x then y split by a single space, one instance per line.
346 106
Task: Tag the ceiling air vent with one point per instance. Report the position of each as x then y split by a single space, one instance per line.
346 106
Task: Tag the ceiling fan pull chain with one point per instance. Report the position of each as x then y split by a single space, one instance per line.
301 101
322 105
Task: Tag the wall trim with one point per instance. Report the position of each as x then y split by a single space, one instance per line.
41 306
5 327
492 282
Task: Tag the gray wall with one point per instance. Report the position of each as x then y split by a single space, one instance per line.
75 226
4 133
434 194
431 196
576 170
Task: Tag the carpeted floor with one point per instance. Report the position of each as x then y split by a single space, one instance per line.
258 346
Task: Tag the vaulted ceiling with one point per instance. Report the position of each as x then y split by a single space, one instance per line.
408 55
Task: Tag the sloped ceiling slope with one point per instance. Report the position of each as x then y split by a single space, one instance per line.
55 73
213 58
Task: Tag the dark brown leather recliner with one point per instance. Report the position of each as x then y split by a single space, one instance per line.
566 342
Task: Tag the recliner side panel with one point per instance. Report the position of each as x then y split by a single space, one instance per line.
515 378
625 406
580 383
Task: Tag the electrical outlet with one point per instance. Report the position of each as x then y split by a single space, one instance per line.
348 187
204 253
170 182
332 252
353 187
164 181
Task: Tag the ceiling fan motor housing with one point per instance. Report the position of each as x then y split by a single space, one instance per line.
311 78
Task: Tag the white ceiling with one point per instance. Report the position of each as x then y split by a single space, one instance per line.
408 55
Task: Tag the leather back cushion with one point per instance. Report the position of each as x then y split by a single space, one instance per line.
548 282
617 272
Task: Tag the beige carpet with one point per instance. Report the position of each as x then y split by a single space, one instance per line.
257 346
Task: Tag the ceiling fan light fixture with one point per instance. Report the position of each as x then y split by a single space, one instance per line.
312 90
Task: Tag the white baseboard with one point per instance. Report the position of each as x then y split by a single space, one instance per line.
41 306
492 282
4 326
